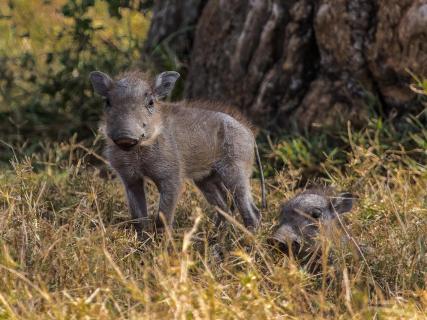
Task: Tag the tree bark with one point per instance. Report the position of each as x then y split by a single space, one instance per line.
172 29
302 63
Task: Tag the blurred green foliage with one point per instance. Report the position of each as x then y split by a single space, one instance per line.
317 155
47 49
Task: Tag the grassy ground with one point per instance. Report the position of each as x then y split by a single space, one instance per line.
66 251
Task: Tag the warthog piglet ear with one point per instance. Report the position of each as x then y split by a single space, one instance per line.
343 202
165 83
101 82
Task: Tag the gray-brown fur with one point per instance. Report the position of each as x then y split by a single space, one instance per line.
171 142
301 216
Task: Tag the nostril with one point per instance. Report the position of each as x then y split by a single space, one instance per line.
125 142
143 135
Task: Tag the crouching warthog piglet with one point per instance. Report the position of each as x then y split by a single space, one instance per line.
171 142
304 216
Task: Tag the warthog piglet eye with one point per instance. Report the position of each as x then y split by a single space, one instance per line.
316 213
150 106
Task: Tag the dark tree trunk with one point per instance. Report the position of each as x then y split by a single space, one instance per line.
172 29
299 62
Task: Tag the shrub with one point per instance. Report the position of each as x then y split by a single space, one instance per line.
45 60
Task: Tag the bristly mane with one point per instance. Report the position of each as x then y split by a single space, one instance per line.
224 108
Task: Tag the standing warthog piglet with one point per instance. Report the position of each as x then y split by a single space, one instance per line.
303 216
171 142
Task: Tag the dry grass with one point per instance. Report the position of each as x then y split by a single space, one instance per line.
66 251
